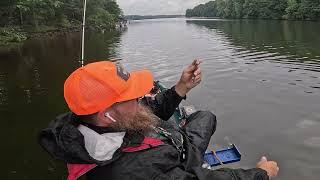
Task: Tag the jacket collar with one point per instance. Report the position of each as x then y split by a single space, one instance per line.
101 147
64 141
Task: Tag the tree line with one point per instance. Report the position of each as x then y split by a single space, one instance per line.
258 9
101 14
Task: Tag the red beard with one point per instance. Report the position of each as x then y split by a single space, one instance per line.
144 120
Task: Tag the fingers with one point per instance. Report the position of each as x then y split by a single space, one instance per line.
191 75
275 169
273 163
196 80
193 66
197 72
197 76
196 62
264 158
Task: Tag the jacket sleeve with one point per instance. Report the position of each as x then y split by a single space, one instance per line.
200 173
232 174
164 104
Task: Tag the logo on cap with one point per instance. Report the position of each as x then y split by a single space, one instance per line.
122 73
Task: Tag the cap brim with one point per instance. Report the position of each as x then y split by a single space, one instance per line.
141 83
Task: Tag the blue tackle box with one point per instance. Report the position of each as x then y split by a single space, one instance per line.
223 156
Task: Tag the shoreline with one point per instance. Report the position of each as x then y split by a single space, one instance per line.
15 35
282 19
11 36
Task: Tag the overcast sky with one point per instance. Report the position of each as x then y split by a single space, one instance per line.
156 7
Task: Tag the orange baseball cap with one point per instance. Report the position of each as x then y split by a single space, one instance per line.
99 85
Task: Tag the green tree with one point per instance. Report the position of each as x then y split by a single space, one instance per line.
310 9
278 8
229 10
303 9
221 5
238 7
58 13
7 12
101 20
292 11
251 9
263 9
210 9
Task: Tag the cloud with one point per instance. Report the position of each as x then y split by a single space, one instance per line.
156 7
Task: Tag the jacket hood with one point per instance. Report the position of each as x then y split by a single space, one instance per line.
67 140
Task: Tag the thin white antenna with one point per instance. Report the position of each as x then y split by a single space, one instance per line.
83 29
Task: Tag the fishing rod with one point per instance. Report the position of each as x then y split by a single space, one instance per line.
83 30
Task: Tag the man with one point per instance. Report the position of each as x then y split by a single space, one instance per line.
113 133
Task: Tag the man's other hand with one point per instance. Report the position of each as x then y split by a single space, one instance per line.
270 166
190 78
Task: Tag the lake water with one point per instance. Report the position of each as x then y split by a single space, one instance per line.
261 79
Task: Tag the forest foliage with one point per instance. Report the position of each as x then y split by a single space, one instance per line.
258 9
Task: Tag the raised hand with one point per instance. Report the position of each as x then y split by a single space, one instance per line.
190 78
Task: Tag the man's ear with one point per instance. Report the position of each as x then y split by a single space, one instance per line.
105 116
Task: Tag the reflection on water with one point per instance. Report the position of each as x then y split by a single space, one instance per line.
285 42
31 94
261 78
258 79
3 91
